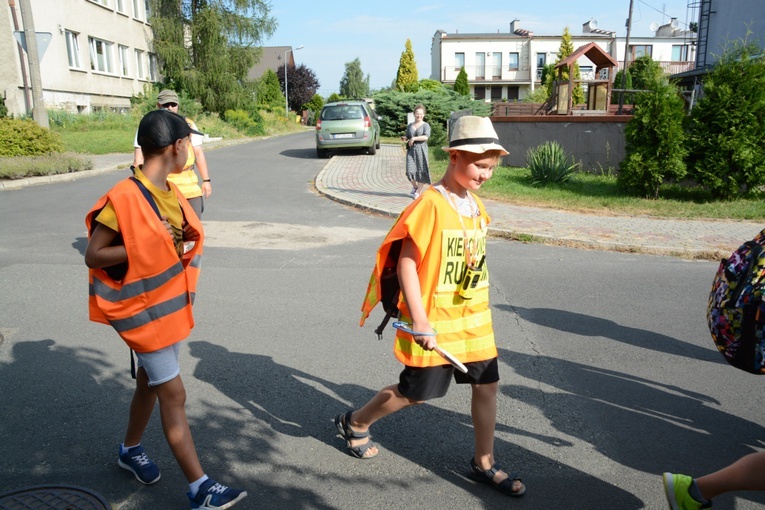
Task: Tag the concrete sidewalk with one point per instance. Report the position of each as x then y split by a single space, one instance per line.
378 183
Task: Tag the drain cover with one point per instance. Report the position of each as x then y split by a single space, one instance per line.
53 497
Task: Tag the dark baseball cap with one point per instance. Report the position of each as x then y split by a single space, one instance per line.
160 128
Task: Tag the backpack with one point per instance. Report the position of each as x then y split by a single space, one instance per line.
390 289
736 311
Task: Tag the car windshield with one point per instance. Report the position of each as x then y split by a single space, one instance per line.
344 112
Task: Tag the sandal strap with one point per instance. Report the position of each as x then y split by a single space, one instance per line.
360 450
348 432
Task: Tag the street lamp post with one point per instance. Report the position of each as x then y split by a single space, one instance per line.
286 96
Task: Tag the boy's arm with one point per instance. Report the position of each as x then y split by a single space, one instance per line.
99 254
410 287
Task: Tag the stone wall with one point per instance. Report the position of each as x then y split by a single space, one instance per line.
597 142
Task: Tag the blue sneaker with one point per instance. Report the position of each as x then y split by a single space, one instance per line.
214 496
136 461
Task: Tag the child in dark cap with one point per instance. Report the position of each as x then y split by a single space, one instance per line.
143 283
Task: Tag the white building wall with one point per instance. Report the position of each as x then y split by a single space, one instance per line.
519 82
83 88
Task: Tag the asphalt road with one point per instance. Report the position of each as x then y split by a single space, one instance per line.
609 376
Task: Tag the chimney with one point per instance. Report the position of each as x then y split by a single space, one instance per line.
513 25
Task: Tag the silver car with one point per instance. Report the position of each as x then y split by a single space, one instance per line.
347 125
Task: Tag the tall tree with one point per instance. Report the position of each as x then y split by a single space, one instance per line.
206 47
727 126
406 77
302 84
566 49
353 85
269 90
461 85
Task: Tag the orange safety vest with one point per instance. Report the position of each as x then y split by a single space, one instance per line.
150 307
464 327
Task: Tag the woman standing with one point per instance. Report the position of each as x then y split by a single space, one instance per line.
417 168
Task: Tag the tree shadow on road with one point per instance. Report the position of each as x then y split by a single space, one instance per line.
589 326
284 400
643 424
64 412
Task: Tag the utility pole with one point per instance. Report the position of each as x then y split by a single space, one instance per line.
626 56
39 114
27 99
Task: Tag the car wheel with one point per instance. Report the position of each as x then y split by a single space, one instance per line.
377 145
372 150
321 153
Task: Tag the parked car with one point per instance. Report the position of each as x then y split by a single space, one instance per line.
347 125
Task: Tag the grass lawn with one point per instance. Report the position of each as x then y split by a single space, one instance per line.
599 194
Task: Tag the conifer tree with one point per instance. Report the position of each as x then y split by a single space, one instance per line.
566 49
461 85
406 77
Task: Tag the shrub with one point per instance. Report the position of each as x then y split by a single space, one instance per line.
727 127
49 164
24 137
655 140
3 108
393 106
550 164
244 122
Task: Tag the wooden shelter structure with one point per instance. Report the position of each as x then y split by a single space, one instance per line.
598 90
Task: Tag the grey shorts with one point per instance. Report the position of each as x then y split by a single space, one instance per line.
198 204
161 366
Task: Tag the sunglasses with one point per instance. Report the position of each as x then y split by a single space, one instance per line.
169 105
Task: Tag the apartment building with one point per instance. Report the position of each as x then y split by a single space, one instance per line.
99 54
508 66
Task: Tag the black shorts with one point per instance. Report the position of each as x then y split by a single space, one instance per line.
425 383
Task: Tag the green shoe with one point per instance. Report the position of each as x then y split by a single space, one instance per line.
676 489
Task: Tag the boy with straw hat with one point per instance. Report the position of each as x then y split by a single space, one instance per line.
437 244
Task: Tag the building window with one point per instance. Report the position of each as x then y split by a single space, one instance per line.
496 65
459 61
153 73
124 68
100 55
480 65
480 92
496 92
641 51
136 9
680 52
120 5
147 9
72 50
541 60
105 3
140 65
512 61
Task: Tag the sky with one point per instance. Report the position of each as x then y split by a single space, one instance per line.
337 32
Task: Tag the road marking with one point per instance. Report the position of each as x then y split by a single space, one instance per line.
281 236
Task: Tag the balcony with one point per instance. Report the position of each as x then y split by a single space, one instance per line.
673 67
487 74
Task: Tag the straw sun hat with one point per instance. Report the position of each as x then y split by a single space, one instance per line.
474 134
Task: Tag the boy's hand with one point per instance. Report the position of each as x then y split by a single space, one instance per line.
167 225
424 341
189 234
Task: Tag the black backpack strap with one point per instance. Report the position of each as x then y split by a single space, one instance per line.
148 196
386 319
